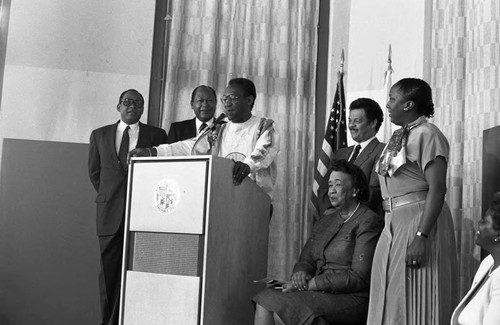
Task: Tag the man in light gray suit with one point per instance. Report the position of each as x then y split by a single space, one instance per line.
365 119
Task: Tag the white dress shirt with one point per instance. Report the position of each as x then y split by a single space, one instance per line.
363 145
133 133
199 123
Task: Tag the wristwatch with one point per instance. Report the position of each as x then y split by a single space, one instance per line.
421 234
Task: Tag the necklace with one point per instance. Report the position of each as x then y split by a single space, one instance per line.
351 214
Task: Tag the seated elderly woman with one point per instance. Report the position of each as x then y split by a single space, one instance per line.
481 305
330 281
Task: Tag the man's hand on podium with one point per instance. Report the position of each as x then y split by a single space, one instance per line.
240 171
139 152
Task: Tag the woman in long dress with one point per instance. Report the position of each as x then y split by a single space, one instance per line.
414 270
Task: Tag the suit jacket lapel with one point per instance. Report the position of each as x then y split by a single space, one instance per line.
482 272
110 138
332 230
478 279
367 152
141 140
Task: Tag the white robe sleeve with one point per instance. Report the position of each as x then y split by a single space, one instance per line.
266 149
180 148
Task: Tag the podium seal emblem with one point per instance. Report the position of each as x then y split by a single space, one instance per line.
166 195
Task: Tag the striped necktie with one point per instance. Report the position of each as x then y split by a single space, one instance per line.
355 153
202 127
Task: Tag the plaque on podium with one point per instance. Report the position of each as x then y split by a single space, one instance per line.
194 242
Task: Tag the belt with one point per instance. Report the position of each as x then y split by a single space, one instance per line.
394 202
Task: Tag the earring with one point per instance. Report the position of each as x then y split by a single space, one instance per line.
354 195
497 239
405 109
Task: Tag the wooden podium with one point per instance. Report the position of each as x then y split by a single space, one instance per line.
194 243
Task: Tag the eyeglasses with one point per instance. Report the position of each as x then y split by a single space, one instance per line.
209 101
137 103
226 98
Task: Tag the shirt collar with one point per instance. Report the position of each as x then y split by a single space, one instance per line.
199 123
133 127
417 122
366 142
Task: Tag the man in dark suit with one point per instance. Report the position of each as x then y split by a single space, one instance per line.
203 103
365 119
108 169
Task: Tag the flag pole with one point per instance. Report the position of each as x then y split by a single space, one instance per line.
389 59
389 63
340 86
387 87
341 69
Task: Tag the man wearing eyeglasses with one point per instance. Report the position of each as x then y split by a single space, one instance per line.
108 169
252 142
203 104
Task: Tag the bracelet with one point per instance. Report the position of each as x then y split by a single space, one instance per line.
421 234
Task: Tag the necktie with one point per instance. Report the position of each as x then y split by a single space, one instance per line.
355 153
122 153
202 127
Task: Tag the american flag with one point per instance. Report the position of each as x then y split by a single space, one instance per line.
335 138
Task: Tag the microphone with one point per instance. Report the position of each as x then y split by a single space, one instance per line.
217 121
220 118
202 147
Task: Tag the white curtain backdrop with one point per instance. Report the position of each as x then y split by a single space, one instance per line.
272 43
466 84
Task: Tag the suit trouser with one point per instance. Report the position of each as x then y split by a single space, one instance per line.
110 276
